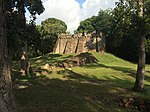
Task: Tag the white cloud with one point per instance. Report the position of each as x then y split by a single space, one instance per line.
70 11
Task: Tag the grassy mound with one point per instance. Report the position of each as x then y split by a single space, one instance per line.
93 87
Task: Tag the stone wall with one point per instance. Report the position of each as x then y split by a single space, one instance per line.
79 43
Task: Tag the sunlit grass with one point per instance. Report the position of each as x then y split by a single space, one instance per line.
89 88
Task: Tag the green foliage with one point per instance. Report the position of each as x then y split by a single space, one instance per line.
125 30
33 6
14 33
17 30
53 26
121 27
148 45
98 23
86 25
147 42
103 21
49 30
34 40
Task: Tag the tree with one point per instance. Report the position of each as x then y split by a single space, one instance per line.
34 7
122 39
139 83
49 30
86 25
34 40
100 24
97 23
6 96
102 21
147 19
53 25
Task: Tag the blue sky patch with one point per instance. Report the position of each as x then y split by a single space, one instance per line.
80 2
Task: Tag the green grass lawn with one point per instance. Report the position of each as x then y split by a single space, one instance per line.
89 88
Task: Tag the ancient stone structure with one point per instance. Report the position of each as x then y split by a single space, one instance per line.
79 43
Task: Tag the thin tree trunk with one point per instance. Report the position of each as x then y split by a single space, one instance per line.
97 44
139 83
6 97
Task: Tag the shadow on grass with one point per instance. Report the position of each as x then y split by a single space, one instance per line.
76 93
92 79
147 78
49 58
18 77
73 92
128 71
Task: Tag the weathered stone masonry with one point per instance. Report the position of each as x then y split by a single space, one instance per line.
79 43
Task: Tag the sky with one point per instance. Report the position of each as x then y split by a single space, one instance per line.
72 12
80 2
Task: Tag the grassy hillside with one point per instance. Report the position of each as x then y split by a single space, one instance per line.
88 88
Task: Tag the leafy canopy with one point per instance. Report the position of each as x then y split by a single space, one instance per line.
53 26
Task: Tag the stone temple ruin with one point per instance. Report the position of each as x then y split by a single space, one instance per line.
79 43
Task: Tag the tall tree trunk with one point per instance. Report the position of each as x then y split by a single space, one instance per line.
6 97
139 83
9 10
24 56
